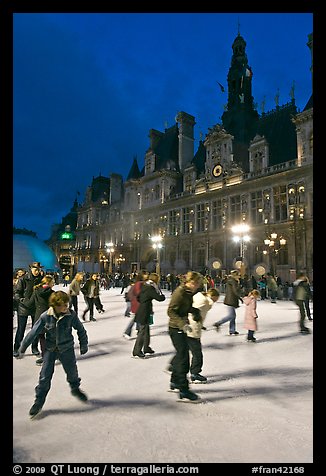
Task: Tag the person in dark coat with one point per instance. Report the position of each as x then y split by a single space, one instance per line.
41 296
180 306
57 322
133 294
91 291
231 300
144 315
26 307
16 277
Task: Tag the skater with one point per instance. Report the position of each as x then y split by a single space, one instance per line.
300 294
57 322
204 302
271 287
41 296
180 306
141 277
144 315
250 314
307 300
127 299
23 293
91 291
231 300
74 291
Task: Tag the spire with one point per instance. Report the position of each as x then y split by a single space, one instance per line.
134 172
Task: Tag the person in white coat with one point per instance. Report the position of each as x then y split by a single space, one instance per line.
204 302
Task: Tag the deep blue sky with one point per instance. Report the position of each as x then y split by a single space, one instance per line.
88 87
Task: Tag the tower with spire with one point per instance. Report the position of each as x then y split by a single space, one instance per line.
240 117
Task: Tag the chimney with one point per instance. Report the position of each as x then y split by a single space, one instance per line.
186 138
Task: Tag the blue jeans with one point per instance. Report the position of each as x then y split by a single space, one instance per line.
68 361
230 316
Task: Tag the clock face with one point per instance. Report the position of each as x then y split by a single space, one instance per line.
217 170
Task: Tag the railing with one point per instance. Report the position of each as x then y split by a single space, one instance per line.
291 164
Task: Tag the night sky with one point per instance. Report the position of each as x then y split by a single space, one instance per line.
88 87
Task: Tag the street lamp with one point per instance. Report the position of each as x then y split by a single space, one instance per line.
274 245
157 245
110 248
120 260
104 261
241 236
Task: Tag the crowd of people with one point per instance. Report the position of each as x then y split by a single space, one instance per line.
54 314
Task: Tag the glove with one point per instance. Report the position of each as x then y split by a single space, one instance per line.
186 328
83 350
195 314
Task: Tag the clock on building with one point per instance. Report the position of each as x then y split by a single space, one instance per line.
217 170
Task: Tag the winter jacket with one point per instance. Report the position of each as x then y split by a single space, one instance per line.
86 289
179 307
74 287
149 291
232 292
41 297
58 331
250 316
133 296
301 290
23 293
271 283
204 304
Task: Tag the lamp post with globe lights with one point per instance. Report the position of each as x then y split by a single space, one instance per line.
110 248
157 245
240 235
274 245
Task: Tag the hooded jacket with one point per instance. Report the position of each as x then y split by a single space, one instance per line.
250 313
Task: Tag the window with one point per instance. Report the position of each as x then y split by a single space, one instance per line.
174 221
201 224
235 209
257 207
201 257
258 162
187 220
188 182
216 214
280 203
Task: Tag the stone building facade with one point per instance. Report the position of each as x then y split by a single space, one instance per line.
250 169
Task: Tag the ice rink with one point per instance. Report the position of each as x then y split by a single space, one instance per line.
256 407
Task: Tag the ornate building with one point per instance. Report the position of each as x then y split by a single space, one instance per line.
251 169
